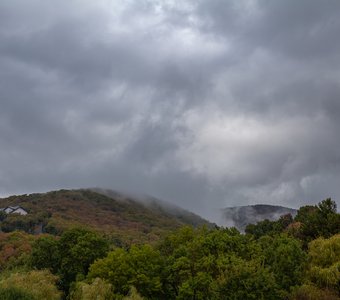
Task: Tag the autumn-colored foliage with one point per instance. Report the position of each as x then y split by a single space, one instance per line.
124 220
13 246
84 258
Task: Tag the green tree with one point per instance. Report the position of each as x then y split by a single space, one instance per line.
147 266
140 267
41 285
245 280
267 227
115 269
78 249
285 258
45 254
133 295
193 260
324 268
261 228
321 220
312 292
14 293
97 290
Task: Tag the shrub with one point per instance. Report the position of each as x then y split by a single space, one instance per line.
39 284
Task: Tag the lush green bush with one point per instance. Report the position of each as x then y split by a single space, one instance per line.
245 280
70 256
324 268
321 220
41 285
286 259
140 267
133 295
45 254
97 290
206 264
311 292
13 293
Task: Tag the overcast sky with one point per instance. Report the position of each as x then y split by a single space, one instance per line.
203 103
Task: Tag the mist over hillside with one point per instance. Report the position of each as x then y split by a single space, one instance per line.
125 218
155 204
241 216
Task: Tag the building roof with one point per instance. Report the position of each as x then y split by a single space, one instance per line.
12 209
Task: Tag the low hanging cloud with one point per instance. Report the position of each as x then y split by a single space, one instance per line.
205 104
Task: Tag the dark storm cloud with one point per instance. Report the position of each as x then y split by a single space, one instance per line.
203 103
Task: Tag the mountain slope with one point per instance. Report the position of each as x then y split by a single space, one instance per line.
241 216
157 206
124 219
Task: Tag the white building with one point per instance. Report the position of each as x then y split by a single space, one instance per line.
14 210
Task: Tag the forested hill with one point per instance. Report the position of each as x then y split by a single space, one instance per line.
288 259
157 206
126 219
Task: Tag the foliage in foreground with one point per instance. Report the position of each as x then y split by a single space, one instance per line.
97 290
70 256
205 264
274 260
37 285
324 268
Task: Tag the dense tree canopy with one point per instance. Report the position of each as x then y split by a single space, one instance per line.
70 256
206 264
37 285
291 258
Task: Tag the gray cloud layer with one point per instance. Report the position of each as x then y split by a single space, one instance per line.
203 103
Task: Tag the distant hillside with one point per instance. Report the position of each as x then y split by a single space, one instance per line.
241 216
157 206
123 218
